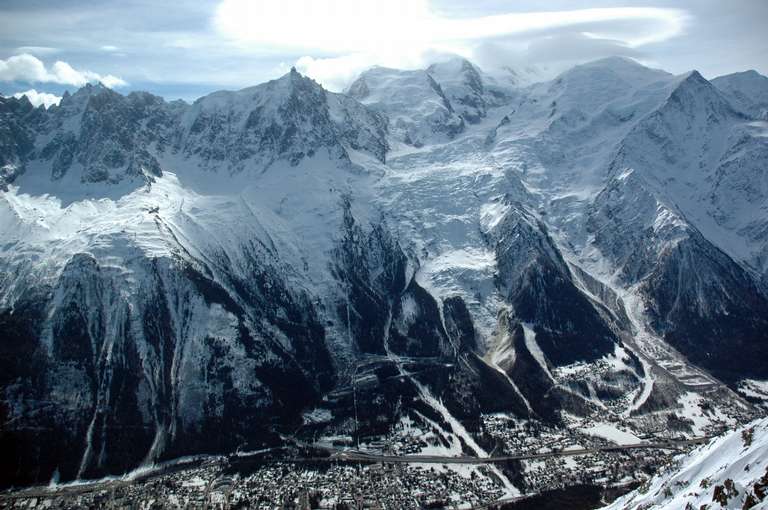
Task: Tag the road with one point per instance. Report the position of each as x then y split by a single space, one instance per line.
88 486
346 455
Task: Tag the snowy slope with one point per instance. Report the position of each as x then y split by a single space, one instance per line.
708 161
747 91
729 472
573 123
522 76
470 91
415 104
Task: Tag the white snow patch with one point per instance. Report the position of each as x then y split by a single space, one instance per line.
491 215
535 350
691 409
611 433
317 415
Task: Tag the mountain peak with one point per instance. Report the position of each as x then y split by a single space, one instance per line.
521 76
23 100
751 73
615 60
297 78
692 86
456 64
89 90
85 96
289 118
457 70
294 78
270 94
93 88
747 91
749 82
615 63
624 68
592 84
694 77
413 101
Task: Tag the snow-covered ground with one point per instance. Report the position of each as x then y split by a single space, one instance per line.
730 472
611 433
755 389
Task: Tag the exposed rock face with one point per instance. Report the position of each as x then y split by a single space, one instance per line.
17 116
700 299
103 136
159 364
107 137
538 284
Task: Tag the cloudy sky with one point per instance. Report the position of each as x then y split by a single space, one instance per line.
187 48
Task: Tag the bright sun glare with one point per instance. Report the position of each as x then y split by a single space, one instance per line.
339 26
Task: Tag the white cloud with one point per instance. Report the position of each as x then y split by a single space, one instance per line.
110 81
39 98
336 73
333 73
356 34
353 26
324 25
23 67
30 69
61 72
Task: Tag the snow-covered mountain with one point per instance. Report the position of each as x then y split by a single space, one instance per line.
747 92
431 246
690 176
431 105
470 91
289 118
417 108
729 472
